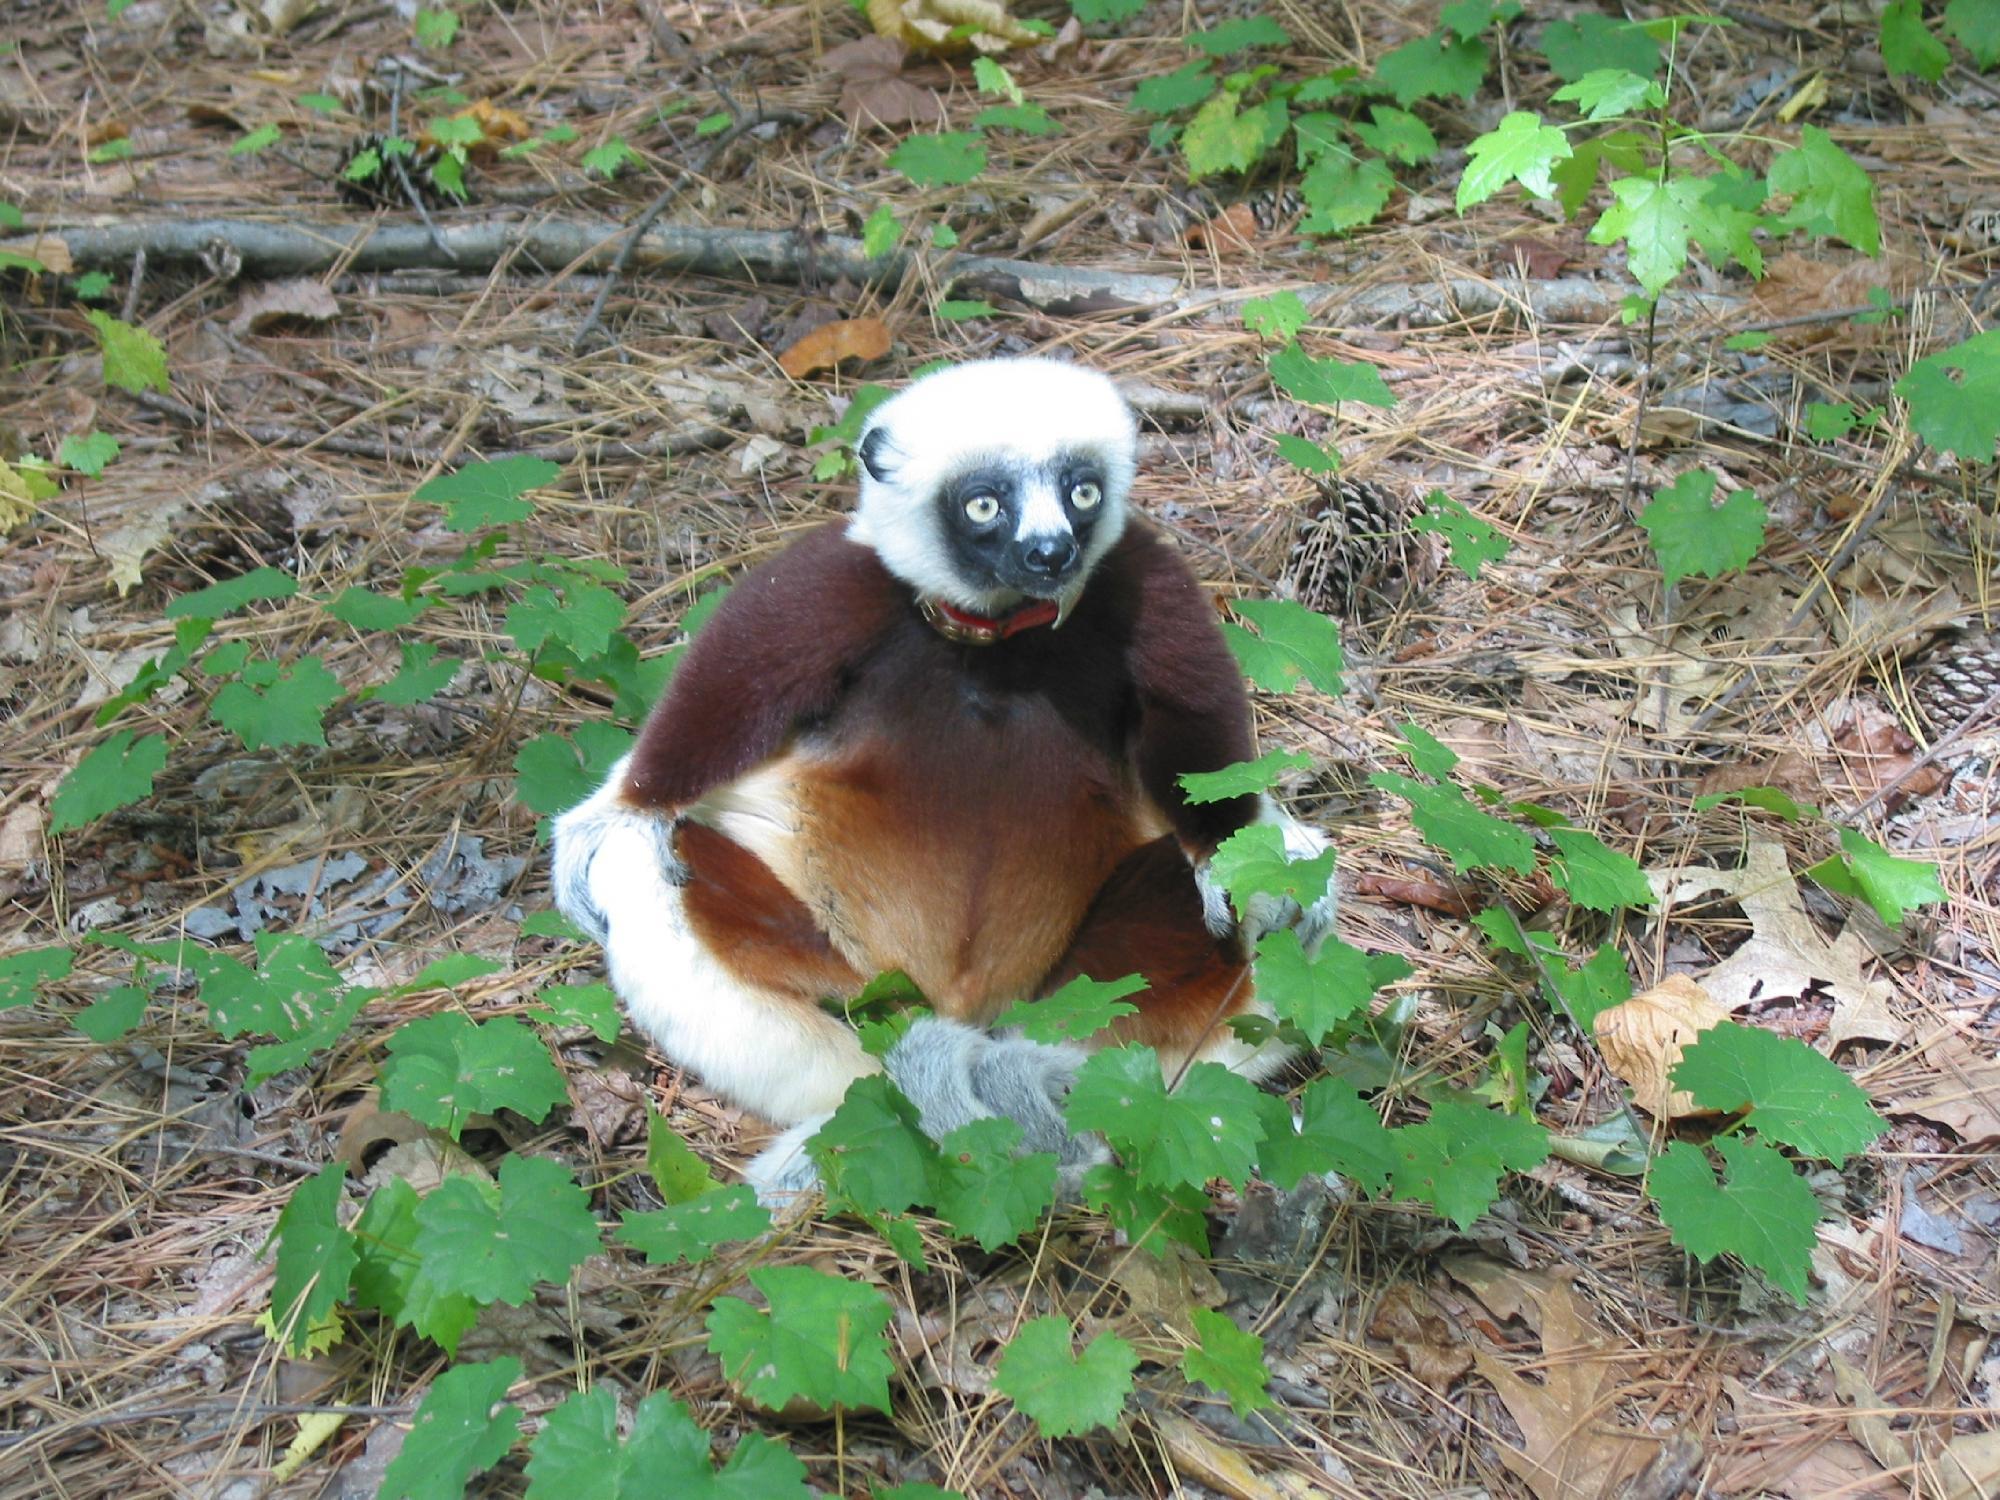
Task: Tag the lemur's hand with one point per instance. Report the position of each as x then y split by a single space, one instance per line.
1265 913
580 835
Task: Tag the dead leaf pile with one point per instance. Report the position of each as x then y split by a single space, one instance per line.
873 90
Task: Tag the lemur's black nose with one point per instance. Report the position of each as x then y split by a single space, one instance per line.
1049 555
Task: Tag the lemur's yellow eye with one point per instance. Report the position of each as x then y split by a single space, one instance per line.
981 508
1085 495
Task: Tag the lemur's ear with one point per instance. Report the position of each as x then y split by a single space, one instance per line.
874 450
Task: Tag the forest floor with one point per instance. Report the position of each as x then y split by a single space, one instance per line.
1555 1348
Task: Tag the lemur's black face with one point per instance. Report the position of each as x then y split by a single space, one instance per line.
1025 528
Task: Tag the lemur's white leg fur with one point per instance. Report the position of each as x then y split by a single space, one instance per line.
1265 913
616 877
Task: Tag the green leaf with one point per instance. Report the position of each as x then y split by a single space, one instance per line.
582 621
1830 193
1253 860
1472 838
943 236
1907 45
1208 1127
1826 421
577 1456
1337 1132
133 359
1597 878
461 1429
88 455
1594 42
985 1191
113 1014
820 1338
435 29
253 141
1397 134
1455 1159
1169 93
958 310
1586 992
1975 25
1152 1219
1307 455
1029 119
555 775
385 1277
1470 17
694 1230
22 973
1794 1095
1474 542
315 1257
288 712
1607 93
92 286
1065 1393
1314 994
1865 870
1240 35
494 1243
677 1172
420 677
1343 192
1279 316
881 232
449 972
1519 149
991 77
444 1068
116 774
1433 67
488 493
872 1154
1426 751
365 610
550 924
944 160
1768 798
590 1005
1691 535
1244 778
1223 137
1954 397
1080 1009
1655 219
1292 644
323 104
1327 382
1228 1361
1741 343
610 158
225 598
1763 1213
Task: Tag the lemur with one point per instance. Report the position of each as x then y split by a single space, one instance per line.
943 736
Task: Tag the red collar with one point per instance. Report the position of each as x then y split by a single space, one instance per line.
961 625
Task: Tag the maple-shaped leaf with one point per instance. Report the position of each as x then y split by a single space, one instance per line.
366 610
1225 137
872 1154
385 1275
984 1190
1169 93
494 1242
1433 67
578 1456
287 712
116 774
1243 778
464 1426
692 1231
1519 149
1830 193
1293 644
1337 1131
1472 838
1594 41
821 1337
443 1069
584 619
1693 535
1208 1127
1454 1160
1655 219
230 595
1240 35
1588 990
1426 751
677 1172
1763 1212
316 1257
1343 191
1229 1361
1397 134
20 973
1080 1009
1314 458
556 773
1253 861
420 677
1152 1219
942 160
488 493
1314 994
1954 397
1894 886
1474 542
1327 382
1064 1392
1794 1095
133 359
1279 316
1975 25
1606 93
1907 44
1596 876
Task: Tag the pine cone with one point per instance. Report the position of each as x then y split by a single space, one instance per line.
1959 680
1353 552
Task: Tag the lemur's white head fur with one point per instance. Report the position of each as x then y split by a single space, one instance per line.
989 482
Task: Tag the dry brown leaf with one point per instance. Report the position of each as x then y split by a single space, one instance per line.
497 127
865 57
888 102
949 27
831 343
1429 1347
1785 953
46 250
1966 1100
1569 1449
1231 232
1969 1467
275 301
1869 1427
1643 1039
1207 1460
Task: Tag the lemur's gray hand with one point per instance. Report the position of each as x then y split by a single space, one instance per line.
580 836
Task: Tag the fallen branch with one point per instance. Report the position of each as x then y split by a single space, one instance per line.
281 249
